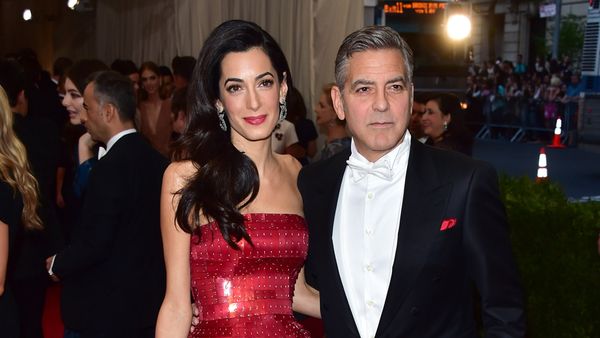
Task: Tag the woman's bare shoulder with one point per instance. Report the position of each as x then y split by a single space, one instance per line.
178 173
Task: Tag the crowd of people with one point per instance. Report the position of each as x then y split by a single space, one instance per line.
530 96
192 200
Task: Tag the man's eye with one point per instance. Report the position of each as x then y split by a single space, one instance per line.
362 89
397 87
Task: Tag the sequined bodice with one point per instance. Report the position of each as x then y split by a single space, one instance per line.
248 292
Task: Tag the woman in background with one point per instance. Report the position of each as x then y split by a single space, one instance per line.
154 109
78 152
443 123
337 136
18 211
305 128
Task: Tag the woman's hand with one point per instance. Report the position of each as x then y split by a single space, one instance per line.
86 147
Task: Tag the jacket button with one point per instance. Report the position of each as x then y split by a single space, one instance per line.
414 311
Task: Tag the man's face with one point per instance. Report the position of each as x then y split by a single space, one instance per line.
375 102
92 116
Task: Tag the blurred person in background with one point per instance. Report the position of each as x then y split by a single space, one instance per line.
154 109
415 127
129 69
305 128
79 153
326 118
443 123
40 138
166 78
183 67
19 201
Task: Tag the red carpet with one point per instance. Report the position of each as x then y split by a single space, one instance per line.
51 321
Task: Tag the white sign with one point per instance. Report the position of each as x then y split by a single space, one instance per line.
547 10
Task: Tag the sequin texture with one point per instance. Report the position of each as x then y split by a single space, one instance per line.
248 292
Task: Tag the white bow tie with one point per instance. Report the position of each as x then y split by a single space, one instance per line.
360 169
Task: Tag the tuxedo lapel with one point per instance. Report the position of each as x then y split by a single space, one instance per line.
425 199
334 177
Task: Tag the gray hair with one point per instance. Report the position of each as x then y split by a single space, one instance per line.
371 38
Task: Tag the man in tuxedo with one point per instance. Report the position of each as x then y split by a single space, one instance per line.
400 232
113 269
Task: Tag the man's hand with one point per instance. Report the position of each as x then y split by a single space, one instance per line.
195 317
53 276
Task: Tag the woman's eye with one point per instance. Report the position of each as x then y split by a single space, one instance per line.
266 83
233 88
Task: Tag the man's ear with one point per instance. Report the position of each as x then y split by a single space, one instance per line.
110 112
338 102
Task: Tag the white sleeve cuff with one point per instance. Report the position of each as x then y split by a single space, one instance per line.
50 272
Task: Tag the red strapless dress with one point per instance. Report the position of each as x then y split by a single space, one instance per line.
248 293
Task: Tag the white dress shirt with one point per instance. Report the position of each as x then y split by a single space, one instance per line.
365 230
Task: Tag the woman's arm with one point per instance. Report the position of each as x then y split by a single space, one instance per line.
175 316
3 254
306 299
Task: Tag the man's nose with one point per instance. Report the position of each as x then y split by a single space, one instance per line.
381 102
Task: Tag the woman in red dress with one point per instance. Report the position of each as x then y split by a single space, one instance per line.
231 214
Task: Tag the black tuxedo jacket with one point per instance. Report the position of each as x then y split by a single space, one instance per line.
431 289
113 270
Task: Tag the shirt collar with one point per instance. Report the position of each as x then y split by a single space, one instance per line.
117 137
389 161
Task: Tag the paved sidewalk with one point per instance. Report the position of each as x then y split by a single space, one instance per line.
577 170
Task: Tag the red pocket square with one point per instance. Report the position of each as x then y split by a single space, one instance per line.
448 223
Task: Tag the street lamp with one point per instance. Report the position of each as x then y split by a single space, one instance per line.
72 3
458 20
458 26
27 14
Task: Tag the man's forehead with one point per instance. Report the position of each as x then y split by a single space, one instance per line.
374 61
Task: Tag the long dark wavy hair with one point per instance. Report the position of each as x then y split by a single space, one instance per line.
226 179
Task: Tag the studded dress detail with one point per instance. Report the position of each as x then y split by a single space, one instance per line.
248 292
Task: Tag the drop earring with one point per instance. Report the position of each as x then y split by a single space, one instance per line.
221 115
282 109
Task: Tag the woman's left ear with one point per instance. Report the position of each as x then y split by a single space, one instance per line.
283 88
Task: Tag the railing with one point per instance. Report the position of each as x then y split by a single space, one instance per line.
519 131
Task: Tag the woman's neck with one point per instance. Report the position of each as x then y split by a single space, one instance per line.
259 152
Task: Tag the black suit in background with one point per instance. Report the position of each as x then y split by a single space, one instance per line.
40 137
113 270
430 292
